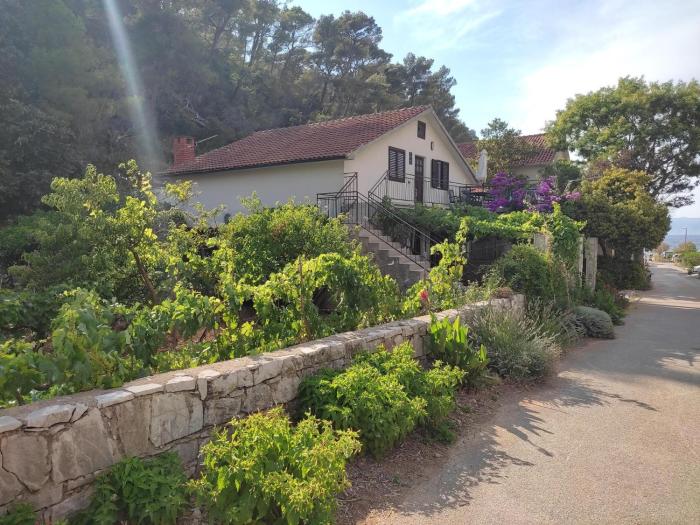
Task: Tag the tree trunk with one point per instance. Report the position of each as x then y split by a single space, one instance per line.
145 278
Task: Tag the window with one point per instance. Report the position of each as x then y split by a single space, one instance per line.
439 174
397 164
421 130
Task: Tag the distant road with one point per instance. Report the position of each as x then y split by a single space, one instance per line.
614 438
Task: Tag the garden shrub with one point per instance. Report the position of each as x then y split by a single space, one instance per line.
596 322
623 274
383 395
559 322
519 346
690 259
437 386
362 398
610 301
21 514
529 271
265 470
22 371
151 492
449 342
264 240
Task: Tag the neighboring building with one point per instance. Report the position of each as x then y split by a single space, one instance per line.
397 147
534 165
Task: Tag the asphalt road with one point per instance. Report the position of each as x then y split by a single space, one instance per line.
613 438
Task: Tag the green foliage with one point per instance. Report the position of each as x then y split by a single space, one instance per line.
450 343
520 347
363 399
382 395
620 212
596 322
264 470
608 299
624 123
506 149
20 371
265 240
556 321
690 259
567 175
29 312
529 271
152 492
623 274
21 514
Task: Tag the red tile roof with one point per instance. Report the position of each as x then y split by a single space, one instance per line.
543 153
333 139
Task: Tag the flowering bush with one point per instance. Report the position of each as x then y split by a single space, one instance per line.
510 193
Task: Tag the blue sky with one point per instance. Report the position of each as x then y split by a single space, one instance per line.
521 59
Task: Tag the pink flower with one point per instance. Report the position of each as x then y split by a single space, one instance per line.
424 295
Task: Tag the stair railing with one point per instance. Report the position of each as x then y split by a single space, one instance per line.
373 215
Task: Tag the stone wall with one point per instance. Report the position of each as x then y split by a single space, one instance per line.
51 451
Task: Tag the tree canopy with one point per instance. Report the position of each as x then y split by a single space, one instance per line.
221 68
648 126
506 150
619 211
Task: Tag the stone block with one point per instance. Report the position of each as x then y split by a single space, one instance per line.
268 369
72 504
83 448
188 451
286 389
113 398
174 416
80 409
258 397
8 424
50 415
10 487
220 411
181 384
26 455
229 382
145 389
49 494
203 382
132 422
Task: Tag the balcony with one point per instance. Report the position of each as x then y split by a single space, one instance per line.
420 190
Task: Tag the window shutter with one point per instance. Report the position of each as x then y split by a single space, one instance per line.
435 173
445 175
397 164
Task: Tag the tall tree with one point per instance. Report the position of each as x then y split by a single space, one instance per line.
648 126
506 150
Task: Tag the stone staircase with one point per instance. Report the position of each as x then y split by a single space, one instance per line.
391 257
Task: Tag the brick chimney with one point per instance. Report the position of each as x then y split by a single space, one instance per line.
183 151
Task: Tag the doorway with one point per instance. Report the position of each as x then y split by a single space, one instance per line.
418 183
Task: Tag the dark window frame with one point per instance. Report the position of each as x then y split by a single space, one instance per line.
439 174
400 174
422 130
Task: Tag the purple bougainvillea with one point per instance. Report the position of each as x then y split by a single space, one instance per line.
510 193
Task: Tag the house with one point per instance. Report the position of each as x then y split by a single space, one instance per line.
404 153
533 166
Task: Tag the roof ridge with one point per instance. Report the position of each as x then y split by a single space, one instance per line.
342 119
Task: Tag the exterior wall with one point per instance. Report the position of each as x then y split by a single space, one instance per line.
51 451
372 160
534 173
272 184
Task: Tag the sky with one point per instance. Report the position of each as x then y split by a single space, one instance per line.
520 60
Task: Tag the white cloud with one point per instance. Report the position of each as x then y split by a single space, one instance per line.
438 25
660 42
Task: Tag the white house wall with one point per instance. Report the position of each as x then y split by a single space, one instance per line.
371 161
273 184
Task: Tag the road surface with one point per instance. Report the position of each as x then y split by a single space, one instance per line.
614 438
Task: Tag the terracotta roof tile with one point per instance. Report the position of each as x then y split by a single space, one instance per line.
543 153
332 139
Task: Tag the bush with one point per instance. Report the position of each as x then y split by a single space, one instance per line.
519 346
559 323
623 274
21 514
690 259
362 398
436 386
596 322
449 342
529 271
150 491
264 240
610 301
264 470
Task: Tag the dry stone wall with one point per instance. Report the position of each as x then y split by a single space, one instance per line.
51 451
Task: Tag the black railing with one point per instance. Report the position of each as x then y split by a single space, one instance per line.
371 214
411 190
